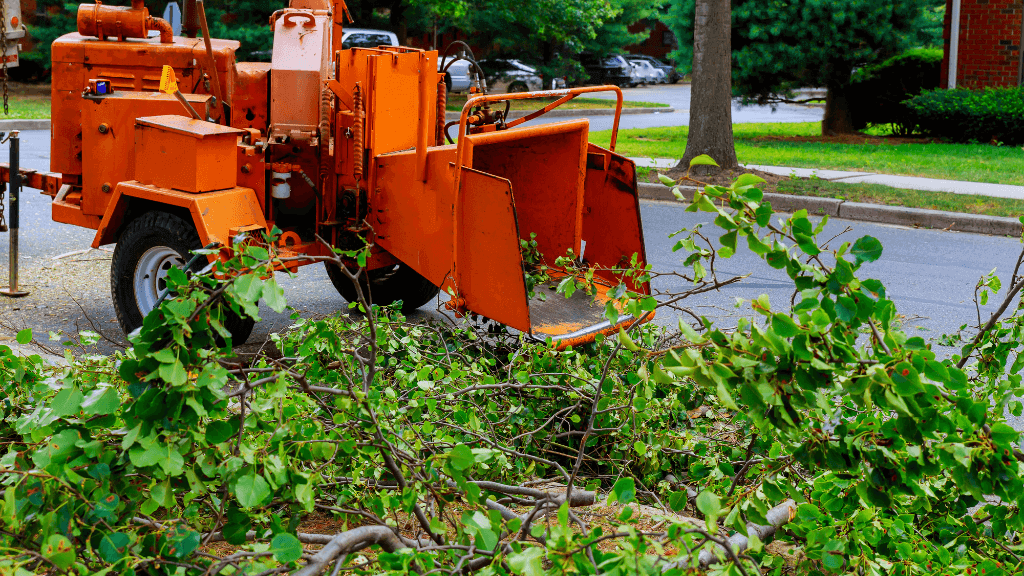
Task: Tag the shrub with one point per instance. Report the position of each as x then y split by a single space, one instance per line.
877 93
990 115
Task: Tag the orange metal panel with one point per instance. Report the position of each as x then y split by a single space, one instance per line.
249 105
611 215
133 65
489 277
215 214
107 131
301 60
185 154
413 219
546 165
394 119
68 213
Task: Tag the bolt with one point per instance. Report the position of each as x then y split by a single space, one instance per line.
105 188
104 128
246 168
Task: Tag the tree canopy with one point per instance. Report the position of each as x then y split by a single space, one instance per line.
547 32
788 44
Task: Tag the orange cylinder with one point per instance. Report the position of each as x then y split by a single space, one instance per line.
122 22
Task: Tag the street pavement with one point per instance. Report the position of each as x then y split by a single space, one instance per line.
930 274
677 96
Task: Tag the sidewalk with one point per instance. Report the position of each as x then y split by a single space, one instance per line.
907 182
879 213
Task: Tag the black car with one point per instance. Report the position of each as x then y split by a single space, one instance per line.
607 70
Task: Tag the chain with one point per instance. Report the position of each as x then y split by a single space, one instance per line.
3 55
3 185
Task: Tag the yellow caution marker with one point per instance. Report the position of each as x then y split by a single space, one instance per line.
169 85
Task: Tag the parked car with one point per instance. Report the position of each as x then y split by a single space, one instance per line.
646 72
608 70
511 75
671 74
457 78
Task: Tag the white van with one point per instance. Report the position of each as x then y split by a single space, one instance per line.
457 78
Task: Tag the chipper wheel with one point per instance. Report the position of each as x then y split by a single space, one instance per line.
150 246
386 286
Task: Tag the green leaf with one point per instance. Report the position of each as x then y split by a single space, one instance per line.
101 401
784 326
25 336
286 547
703 160
173 373
273 295
113 546
251 490
666 180
221 430
708 503
624 491
866 249
625 340
59 550
461 457
747 179
528 562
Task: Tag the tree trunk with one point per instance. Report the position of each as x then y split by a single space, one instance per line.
397 21
838 119
711 89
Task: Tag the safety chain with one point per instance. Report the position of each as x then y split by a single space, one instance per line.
3 56
3 185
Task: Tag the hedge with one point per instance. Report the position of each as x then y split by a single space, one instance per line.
963 115
877 93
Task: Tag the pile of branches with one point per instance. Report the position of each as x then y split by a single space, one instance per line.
369 444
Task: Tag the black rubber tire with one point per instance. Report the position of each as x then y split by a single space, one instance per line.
147 231
518 86
386 286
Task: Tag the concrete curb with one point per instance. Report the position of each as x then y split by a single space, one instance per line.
898 215
449 116
20 124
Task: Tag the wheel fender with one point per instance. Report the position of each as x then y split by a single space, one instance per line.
217 215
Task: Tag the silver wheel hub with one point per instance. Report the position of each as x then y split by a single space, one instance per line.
151 275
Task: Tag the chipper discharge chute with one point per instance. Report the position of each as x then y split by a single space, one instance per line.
344 145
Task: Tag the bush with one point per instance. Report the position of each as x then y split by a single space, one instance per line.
877 93
962 115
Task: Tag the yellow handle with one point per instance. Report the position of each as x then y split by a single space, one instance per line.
168 83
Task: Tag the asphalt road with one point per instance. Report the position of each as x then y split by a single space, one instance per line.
678 97
930 274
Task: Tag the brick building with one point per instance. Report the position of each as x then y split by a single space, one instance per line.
988 52
659 42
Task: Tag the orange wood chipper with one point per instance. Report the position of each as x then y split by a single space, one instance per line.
344 145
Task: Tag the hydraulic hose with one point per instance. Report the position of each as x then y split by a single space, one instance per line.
442 105
357 134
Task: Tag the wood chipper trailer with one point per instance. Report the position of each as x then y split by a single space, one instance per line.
321 141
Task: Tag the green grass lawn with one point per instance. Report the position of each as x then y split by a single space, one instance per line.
27 107
455 103
967 162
